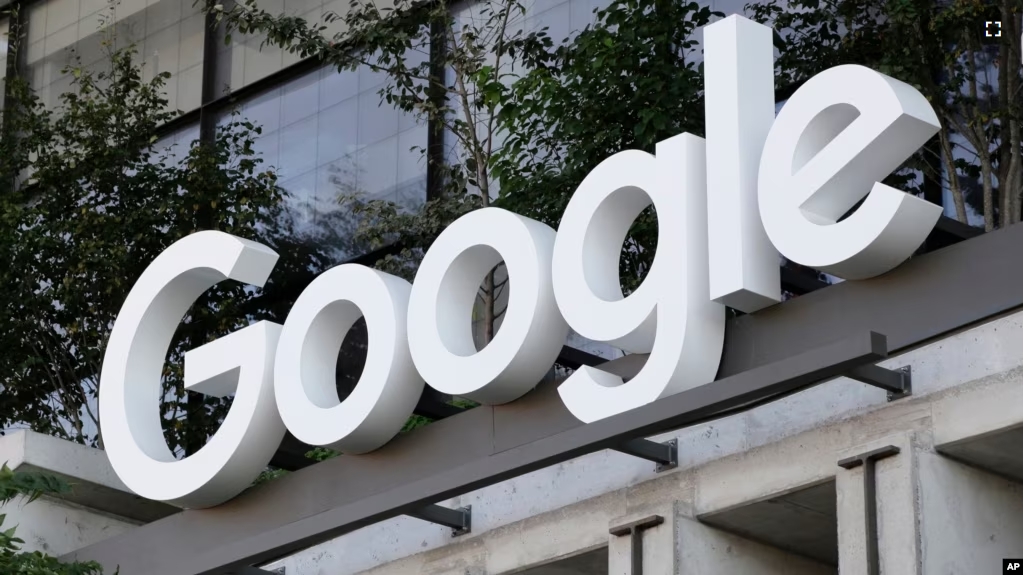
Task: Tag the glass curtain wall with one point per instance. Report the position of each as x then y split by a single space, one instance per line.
244 61
168 35
330 138
563 19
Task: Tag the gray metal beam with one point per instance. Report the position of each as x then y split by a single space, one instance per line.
894 381
460 520
870 500
664 455
635 530
925 298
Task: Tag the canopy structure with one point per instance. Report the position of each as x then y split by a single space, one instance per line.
775 352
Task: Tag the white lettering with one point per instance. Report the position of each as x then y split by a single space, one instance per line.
532 331
841 133
243 362
739 108
670 315
307 355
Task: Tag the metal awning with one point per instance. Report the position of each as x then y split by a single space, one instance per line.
776 351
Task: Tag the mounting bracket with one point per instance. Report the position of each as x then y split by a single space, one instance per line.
664 455
459 520
896 382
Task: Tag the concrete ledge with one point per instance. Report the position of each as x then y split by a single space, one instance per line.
802 522
94 484
999 452
994 442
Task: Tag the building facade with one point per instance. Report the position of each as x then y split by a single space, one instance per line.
781 487
838 478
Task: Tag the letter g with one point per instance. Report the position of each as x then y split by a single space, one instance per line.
130 381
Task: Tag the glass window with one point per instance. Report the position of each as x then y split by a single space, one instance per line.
167 34
244 61
329 136
174 147
563 20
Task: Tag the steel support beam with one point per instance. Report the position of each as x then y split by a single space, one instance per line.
635 531
894 381
870 499
664 455
459 520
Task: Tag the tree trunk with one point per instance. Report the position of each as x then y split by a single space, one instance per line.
954 182
1003 152
1010 94
488 287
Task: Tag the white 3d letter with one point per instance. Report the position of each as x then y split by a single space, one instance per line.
307 355
532 332
840 133
670 315
739 108
130 380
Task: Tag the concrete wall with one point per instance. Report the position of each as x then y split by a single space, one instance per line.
970 519
56 527
751 457
99 505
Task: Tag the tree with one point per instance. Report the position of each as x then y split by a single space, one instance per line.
89 198
30 487
627 82
457 89
972 81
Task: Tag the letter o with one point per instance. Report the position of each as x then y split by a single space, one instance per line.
532 332
307 355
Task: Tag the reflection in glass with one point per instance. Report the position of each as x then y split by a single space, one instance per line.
167 34
330 138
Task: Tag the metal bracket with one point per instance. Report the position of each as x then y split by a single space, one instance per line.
665 455
460 520
896 382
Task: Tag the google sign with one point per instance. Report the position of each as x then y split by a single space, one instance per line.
727 206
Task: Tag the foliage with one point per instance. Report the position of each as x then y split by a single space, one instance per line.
89 198
973 82
627 82
13 561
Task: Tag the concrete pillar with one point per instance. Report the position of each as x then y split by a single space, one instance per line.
99 505
896 505
970 519
935 515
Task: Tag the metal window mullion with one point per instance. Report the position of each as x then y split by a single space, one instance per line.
435 129
207 116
